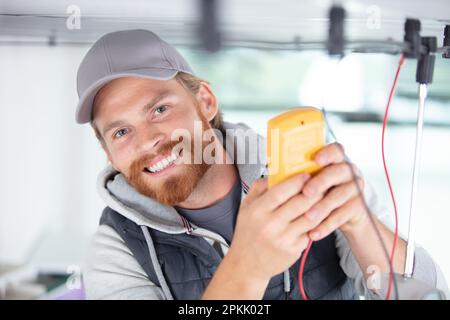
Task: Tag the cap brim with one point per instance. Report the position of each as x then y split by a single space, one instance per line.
84 108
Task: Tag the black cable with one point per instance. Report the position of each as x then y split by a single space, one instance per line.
367 209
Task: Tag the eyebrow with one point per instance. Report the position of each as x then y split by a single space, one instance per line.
163 94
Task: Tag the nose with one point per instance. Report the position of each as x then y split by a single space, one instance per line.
148 140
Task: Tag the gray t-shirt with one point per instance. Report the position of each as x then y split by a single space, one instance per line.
219 217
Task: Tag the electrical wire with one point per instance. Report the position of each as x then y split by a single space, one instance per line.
392 280
386 171
301 269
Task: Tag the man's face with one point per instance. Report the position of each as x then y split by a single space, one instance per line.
136 118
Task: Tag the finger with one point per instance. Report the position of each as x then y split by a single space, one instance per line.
336 219
300 243
257 188
331 153
296 206
280 193
328 177
299 226
334 199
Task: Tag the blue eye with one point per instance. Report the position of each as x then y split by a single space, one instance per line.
161 109
120 133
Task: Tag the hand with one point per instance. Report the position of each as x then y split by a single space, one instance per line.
271 232
341 206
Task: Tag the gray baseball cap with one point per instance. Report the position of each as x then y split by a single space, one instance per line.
129 53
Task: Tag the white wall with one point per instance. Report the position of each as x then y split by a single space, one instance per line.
49 163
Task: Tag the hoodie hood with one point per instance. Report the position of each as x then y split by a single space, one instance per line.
145 211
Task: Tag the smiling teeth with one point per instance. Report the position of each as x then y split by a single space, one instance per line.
162 164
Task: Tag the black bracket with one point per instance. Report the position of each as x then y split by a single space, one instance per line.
412 40
425 64
209 26
446 45
336 39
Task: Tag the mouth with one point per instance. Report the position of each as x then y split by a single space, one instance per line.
162 165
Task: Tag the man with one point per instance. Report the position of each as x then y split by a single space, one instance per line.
181 221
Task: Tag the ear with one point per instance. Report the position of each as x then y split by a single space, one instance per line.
207 101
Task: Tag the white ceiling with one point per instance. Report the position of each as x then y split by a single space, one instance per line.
178 20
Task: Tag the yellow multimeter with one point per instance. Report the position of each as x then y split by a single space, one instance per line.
293 138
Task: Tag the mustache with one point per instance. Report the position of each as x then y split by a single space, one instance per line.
138 165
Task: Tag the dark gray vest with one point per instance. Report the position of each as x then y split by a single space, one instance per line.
188 263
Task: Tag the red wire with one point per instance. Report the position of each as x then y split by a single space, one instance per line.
300 271
394 245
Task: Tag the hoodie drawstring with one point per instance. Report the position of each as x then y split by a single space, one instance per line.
156 265
287 284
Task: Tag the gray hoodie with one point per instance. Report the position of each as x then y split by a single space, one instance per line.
111 271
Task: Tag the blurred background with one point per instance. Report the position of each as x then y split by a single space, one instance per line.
271 56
